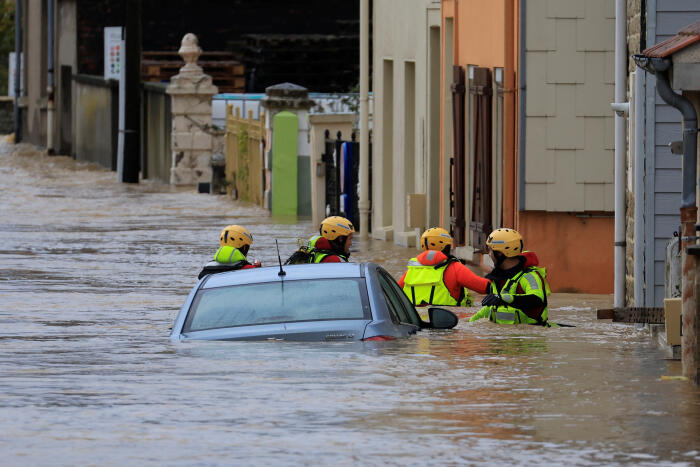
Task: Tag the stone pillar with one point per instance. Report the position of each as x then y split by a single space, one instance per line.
191 92
295 99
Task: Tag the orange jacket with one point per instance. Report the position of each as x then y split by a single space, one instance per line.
456 275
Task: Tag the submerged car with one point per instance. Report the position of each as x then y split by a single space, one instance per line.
307 302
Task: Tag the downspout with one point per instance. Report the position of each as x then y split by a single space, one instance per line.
363 204
620 149
639 169
18 64
660 67
522 85
50 78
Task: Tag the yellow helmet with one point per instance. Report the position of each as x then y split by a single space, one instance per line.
336 226
436 238
506 241
235 236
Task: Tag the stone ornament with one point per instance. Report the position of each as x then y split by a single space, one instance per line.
190 52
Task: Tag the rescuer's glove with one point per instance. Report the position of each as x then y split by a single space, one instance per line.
492 300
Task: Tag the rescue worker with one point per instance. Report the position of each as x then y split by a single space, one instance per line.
234 243
435 277
333 243
519 289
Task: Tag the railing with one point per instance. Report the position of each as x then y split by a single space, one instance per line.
156 127
245 147
96 120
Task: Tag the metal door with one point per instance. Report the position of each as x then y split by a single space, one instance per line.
457 188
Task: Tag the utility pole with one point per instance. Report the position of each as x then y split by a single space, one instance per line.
132 93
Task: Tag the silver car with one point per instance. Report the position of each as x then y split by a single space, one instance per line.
306 302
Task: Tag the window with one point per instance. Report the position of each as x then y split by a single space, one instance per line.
278 302
397 301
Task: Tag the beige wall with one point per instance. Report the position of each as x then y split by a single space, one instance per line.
570 84
405 142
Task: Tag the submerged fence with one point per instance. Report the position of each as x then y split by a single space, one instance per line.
245 147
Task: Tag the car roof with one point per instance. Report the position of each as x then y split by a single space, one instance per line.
292 272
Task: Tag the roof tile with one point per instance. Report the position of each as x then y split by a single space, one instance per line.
685 37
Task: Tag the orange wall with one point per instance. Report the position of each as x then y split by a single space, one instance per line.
479 39
480 33
577 251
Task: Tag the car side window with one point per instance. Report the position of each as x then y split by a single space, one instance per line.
396 296
392 302
408 309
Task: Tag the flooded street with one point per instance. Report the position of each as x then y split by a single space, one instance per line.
93 272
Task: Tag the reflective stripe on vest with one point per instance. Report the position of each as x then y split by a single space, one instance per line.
505 316
424 284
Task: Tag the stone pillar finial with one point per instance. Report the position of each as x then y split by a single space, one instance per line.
190 52
192 143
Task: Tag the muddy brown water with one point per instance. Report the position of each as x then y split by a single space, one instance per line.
92 273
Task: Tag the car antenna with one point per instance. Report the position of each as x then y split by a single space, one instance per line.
281 273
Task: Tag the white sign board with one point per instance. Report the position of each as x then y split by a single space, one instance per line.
114 47
11 75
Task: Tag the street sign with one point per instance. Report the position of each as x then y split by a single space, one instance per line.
114 46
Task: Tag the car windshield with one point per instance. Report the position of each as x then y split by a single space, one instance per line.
278 302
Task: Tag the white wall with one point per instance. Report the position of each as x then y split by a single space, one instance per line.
400 47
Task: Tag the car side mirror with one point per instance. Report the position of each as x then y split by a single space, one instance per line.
441 318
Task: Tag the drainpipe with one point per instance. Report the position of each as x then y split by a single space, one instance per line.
639 160
620 107
522 84
363 203
50 79
18 64
660 67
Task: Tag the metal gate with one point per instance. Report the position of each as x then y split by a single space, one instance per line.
481 91
342 197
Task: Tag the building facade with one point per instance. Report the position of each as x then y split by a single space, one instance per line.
548 65
406 130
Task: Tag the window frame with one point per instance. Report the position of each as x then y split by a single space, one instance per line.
400 297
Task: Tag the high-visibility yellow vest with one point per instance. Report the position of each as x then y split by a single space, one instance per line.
228 255
320 254
424 284
532 281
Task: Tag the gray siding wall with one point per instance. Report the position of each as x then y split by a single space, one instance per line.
663 175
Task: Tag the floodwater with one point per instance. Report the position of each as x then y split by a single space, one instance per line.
92 273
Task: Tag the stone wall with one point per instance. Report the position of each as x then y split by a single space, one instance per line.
635 44
636 40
